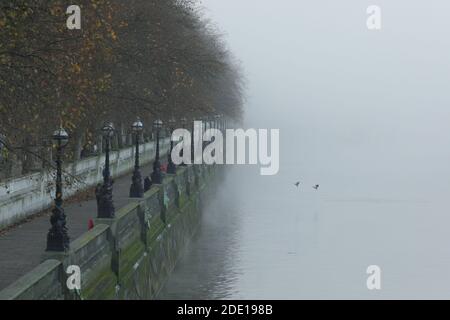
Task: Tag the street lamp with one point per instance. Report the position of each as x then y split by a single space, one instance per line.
209 121
137 188
171 167
217 121
192 142
156 174
105 205
57 237
183 125
206 123
2 141
2 144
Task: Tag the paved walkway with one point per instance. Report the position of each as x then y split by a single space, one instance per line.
22 247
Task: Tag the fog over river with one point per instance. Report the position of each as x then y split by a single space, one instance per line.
365 114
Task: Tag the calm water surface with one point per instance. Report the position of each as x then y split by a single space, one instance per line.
263 238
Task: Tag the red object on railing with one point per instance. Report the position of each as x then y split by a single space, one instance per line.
90 224
164 167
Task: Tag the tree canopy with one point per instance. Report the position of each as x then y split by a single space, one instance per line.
147 58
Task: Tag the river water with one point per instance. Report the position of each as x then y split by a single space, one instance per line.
263 238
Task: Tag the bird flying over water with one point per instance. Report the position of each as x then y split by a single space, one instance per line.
316 187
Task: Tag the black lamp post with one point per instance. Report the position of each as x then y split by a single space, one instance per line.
183 125
2 141
217 121
192 142
215 127
2 144
57 237
156 174
209 121
137 188
105 205
171 167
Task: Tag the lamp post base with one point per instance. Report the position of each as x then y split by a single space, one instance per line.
156 176
105 204
171 168
136 189
57 238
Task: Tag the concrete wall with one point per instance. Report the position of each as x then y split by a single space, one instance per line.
130 256
24 196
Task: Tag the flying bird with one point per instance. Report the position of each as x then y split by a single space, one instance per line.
297 184
316 187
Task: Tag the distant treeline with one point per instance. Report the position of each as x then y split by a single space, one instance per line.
147 58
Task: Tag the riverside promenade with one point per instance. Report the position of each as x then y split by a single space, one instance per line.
22 247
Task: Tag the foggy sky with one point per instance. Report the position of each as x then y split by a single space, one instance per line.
372 103
365 114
